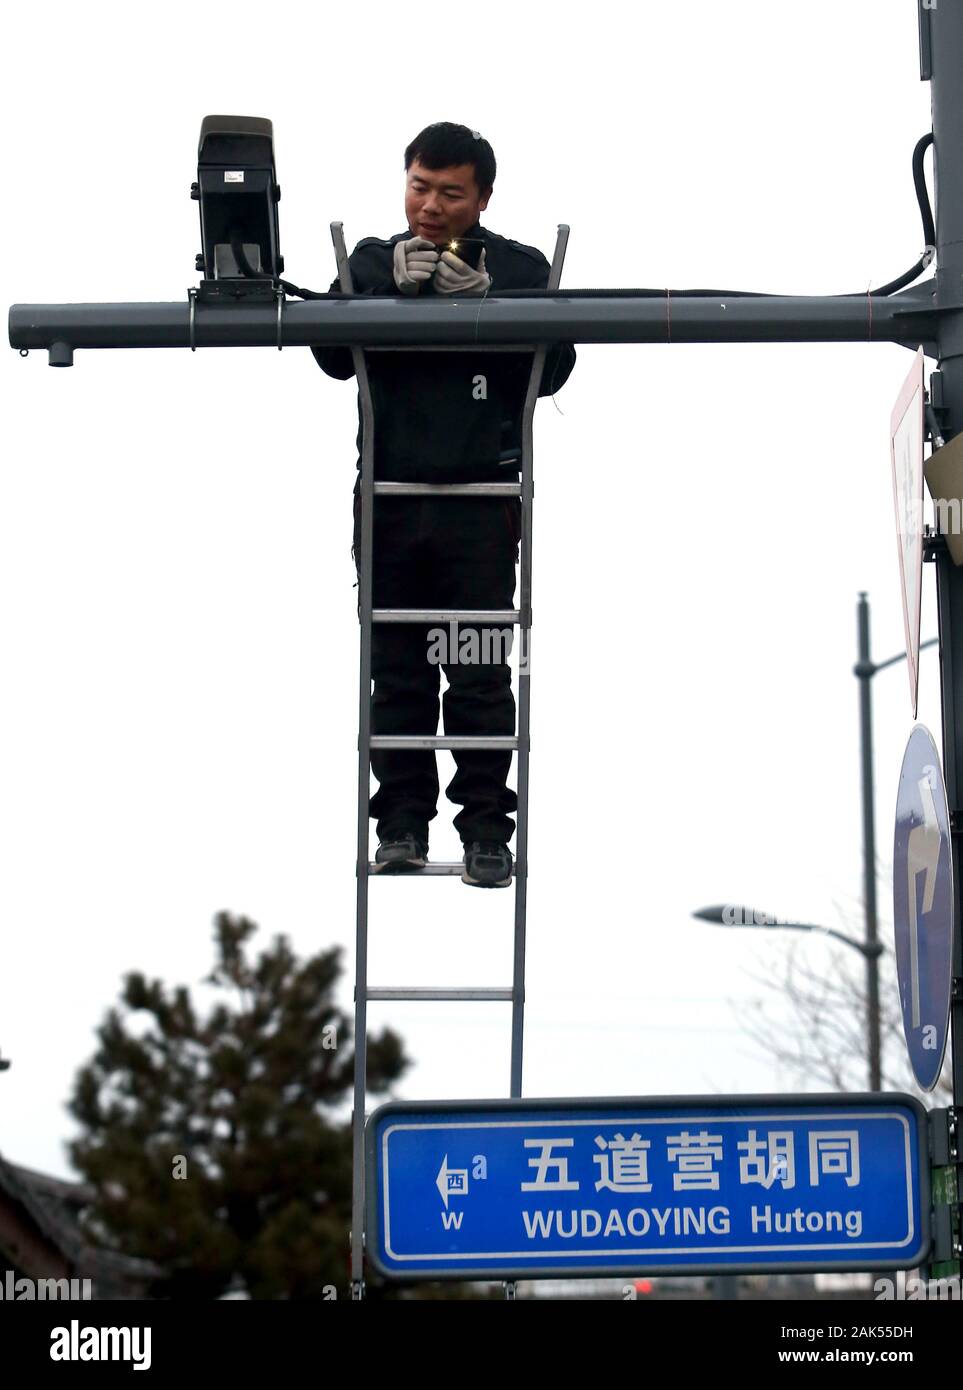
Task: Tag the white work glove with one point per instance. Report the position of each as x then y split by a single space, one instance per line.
415 261
453 276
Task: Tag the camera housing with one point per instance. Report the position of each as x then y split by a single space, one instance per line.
238 193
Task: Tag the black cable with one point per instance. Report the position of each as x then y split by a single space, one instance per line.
922 197
929 229
288 288
248 271
929 233
240 257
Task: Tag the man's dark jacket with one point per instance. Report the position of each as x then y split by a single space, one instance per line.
429 426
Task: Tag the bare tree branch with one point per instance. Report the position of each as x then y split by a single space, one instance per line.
825 1043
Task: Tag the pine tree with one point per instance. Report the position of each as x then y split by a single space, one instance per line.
214 1145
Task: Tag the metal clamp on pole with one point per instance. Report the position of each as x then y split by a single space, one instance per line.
192 296
280 298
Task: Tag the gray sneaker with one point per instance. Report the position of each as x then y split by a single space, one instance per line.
399 855
488 864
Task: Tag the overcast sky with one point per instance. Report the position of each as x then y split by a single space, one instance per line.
178 623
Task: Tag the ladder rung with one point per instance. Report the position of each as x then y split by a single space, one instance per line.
451 489
445 615
493 742
437 870
412 992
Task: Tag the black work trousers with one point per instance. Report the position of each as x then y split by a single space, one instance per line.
442 552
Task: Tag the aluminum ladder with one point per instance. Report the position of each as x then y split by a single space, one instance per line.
519 743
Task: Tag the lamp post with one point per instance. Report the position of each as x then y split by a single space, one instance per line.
864 671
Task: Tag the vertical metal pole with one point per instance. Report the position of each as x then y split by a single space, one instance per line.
524 686
364 790
865 670
944 25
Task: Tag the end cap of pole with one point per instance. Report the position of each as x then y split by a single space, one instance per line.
61 354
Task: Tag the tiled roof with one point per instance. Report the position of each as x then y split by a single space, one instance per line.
54 1206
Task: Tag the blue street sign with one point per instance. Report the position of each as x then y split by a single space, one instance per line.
923 906
526 1188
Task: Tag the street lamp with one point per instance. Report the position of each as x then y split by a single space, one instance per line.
735 915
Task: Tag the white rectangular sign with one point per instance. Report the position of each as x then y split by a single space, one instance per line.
906 452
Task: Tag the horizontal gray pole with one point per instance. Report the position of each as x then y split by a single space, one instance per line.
452 347
907 317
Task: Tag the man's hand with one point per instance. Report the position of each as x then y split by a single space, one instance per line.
415 261
453 276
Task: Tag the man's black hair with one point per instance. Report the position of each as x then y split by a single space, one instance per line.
443 144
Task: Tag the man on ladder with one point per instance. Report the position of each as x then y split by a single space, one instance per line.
444 418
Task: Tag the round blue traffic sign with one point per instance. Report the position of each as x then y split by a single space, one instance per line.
923 906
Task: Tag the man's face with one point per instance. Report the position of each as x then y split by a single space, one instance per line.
442 203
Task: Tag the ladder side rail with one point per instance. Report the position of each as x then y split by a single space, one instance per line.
524 699
524 685
364 788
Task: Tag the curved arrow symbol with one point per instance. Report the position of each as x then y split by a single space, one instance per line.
922 858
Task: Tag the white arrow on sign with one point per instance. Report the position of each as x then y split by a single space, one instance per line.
451 1182
922 858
